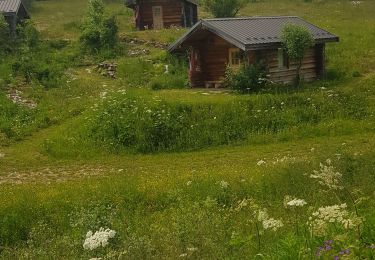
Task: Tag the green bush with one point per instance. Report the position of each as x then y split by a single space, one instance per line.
4 37
249 78
98 33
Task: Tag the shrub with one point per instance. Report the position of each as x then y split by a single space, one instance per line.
98 33
224 8
249 78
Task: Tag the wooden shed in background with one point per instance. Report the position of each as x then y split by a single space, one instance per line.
216 43
158 14
14 11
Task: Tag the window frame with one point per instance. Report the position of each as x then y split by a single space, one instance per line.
282 58
240 58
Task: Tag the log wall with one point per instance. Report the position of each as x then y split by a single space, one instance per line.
172 12
312 66
214 57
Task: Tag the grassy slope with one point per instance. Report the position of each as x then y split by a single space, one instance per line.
154 186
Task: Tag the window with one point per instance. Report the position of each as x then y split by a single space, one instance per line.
235 57
283 59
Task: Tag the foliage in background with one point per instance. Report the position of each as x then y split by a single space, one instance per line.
296 41
247 79
4 37
98 32
224 8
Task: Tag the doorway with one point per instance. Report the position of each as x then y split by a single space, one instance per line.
157 14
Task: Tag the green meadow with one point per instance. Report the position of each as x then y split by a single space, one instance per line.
180 173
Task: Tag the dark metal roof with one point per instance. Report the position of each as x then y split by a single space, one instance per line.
9 6
253 32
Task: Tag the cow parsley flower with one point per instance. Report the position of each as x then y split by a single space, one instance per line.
267 222
261 162
99 239
328 176
296 203
336 214
224 184
272 223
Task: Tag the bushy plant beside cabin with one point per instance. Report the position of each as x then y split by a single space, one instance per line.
296 41
248 79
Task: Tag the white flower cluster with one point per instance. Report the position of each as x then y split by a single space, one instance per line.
267 222
261 162
99 239
224 184
296 203
332 214
327 176
356 3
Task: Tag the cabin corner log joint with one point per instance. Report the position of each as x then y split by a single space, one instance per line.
14 11
158 14
213 44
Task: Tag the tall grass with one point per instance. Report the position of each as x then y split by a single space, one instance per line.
145 124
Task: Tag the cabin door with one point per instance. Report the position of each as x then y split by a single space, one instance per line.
157 14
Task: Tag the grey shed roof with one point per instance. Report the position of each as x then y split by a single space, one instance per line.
253 32
11 7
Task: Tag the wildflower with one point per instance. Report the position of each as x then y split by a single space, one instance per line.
330 215
272 223
183 255
267 222
261 162
192 249
99 239
262 215
296 203
189 183
327 176
224 184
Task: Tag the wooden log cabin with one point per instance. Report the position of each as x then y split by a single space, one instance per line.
213 44
14 12
158 14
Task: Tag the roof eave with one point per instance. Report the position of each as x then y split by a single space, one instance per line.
174 46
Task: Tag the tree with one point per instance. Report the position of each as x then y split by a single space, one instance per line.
224 8
296 41
98 31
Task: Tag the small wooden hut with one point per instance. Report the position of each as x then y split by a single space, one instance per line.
158 14
216 43
14 11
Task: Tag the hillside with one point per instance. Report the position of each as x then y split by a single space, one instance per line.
180 172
